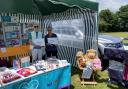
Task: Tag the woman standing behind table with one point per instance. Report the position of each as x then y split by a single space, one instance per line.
51 49
37 50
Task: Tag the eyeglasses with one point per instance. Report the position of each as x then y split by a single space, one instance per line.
35 26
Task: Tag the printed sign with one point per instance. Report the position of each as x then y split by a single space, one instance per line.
53 40
39 42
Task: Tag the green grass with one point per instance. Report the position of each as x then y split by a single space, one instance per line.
102 81
119 34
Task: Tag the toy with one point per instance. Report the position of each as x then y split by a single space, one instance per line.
80 60
92 57
90 64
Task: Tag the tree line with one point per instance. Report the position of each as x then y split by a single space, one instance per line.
114 22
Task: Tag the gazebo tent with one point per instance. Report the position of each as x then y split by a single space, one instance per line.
46 11
45 6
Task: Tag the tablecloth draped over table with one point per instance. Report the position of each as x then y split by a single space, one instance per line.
55 79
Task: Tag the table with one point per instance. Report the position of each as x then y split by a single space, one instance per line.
52 79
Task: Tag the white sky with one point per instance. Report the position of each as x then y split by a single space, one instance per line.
113 5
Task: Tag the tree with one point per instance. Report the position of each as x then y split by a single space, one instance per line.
112 22
103 26
123 17
106 19
106 15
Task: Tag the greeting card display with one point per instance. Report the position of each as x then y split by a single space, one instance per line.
12 33
25 61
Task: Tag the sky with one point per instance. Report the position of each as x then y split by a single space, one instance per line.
113 5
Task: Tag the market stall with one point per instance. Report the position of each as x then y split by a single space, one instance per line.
17 17
81 16
118 66
74 22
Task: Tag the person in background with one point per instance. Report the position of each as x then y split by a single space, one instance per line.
37 50
51 49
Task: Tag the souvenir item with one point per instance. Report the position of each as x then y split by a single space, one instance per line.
16 64
8 77
25 61
39 66
80 59
26 71
92 58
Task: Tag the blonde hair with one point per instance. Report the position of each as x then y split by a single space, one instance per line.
91 51
79 53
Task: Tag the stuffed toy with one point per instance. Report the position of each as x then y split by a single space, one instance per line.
92 58
80 60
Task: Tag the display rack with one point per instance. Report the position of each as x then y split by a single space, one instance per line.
24 33
12 34
13 40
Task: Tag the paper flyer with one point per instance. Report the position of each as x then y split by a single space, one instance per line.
53 40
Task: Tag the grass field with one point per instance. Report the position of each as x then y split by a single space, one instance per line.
119 34
102 80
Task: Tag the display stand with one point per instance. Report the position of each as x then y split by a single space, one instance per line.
13 42
12 34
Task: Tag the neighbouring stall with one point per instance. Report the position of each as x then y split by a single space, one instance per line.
117 60
74 22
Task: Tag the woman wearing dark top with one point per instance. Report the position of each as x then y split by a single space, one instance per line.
51 49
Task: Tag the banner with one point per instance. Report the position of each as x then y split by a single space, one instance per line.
55 79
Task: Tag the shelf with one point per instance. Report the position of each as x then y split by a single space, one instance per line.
24 38
12 38
12 31
11 24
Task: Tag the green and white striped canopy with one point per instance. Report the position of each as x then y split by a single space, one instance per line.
46 7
